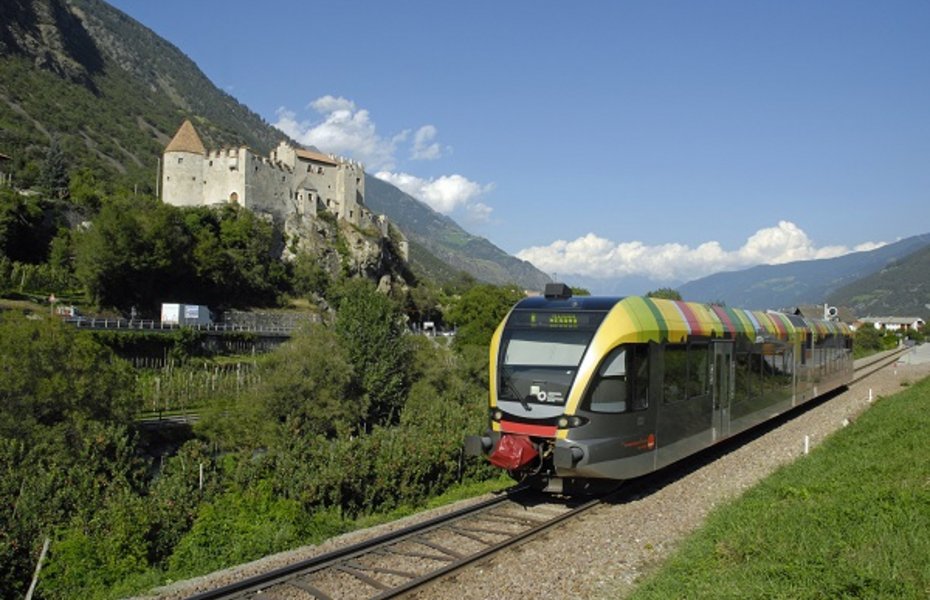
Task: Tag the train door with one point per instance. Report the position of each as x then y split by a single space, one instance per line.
722 377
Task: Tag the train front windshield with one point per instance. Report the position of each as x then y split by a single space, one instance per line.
540 354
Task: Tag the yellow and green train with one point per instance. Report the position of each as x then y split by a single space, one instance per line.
590 390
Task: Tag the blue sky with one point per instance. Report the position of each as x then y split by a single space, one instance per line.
662 140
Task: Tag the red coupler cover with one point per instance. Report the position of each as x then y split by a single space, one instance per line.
512 452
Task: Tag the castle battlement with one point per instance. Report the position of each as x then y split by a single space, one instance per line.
289 181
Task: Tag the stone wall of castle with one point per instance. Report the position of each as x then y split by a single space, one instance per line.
288 181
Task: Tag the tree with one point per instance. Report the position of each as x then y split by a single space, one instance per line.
136 253
54 174
478 312
422 304
580 291
234 257
24 233
372 330
665 293
249 243
309 276
867 339
306 385
66 405
53 374
142 252
84 189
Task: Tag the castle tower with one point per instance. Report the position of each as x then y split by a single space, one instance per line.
182 174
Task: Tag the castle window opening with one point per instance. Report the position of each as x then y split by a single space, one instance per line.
211 163
180 159
234 198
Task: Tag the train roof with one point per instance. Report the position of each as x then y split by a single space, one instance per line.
676 320
573 303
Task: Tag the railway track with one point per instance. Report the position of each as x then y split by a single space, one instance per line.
398 562
870 364
393 564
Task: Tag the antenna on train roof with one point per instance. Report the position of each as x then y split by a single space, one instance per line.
557 291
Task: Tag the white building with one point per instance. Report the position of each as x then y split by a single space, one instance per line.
894 323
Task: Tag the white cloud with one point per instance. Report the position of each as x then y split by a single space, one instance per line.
330 104
479 212
443 194
594 256
345 129
424 148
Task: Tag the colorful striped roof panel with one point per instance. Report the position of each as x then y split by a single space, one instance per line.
674 320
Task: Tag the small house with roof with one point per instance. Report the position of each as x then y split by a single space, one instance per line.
894 324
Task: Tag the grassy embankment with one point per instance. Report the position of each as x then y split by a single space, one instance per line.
851 520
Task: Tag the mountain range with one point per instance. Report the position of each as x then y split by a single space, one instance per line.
112 93
900 288
847 280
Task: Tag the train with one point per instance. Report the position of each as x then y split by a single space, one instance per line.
589 391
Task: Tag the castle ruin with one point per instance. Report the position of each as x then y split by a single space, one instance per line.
290 181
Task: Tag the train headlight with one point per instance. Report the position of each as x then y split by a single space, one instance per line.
496 415
567 422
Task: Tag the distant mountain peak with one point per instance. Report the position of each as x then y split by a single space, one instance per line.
800 282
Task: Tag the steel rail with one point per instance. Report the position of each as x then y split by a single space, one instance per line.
874 366
512 541
264 580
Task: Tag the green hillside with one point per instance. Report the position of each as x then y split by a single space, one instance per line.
111 93
108 89
434 236
900 289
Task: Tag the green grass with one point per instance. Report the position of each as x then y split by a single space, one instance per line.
851 520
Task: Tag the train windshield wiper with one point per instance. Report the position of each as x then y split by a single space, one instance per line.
512 391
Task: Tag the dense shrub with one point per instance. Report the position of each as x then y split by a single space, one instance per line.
239 526
287 462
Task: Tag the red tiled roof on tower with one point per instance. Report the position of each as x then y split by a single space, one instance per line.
186 140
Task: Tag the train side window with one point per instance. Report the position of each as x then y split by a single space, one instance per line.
640 371
676 373
697 370
610 391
